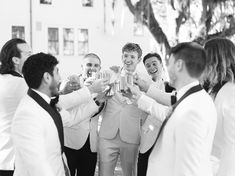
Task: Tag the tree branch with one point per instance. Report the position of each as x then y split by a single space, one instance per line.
150 21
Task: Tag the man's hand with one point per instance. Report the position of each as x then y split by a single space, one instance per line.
89 81
99 85
70 87
115 69
142 84
133 92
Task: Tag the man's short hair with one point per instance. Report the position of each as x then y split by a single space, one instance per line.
93 55
132 47
35 67
193 55
8 51
149 55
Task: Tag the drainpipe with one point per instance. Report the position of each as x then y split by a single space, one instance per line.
30 23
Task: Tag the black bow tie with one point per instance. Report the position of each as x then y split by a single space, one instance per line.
54 101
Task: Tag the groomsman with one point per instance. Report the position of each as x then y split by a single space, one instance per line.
37 128
120 128
184 143
81 139
13 88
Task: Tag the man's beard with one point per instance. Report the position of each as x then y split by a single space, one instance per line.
54 89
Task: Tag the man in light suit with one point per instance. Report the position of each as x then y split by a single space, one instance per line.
120 128
37 128
81 139
184 142
12 89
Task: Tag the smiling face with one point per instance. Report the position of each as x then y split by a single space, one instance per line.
153 67
89 65
130 60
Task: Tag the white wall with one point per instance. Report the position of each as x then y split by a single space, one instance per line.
71 14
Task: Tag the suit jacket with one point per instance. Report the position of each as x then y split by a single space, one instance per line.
224 141
36 141
185 144
151 126
119 116
81 111
12 89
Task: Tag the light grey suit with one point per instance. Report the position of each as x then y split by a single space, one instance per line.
119 134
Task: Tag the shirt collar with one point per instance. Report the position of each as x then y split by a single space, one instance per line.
44 96
184 89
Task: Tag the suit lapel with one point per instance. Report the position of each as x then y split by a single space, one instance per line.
53 113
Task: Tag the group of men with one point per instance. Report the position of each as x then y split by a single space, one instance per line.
153 132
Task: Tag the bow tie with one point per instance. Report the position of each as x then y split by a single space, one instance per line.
54 101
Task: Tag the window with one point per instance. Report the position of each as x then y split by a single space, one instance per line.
45 1
18 32
68 41
138 27
87 3
53 41
83 41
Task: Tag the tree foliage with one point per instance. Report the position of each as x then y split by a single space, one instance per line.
173 21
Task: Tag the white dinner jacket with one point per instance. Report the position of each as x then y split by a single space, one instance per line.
81 111
36 141
224 141
151 125
185 144
12 89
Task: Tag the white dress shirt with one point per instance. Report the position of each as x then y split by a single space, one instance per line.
12 89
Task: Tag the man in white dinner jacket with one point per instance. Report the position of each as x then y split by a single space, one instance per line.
184 145
13 87
37 128
81 139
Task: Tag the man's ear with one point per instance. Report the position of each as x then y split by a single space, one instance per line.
16 60
46 79
179 64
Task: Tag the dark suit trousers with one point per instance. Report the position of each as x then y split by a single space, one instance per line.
82 161
6 173
142 164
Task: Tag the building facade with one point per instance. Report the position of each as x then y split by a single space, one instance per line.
69 29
